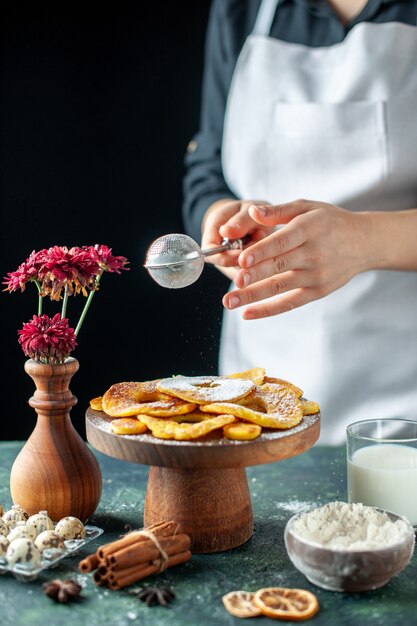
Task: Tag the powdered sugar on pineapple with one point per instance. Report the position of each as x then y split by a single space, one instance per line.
206 389
343 526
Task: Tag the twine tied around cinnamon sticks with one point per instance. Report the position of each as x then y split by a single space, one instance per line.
163 557
137 555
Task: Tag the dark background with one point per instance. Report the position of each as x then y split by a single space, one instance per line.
97 107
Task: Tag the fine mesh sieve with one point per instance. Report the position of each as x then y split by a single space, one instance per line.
175 260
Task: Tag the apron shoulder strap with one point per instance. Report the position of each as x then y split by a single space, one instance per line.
265 17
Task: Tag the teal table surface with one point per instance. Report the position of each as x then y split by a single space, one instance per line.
278 490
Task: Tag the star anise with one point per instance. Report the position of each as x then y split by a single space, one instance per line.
155 595
62 590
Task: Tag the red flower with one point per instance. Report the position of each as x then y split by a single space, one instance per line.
47 340
26 272
73 270
105 259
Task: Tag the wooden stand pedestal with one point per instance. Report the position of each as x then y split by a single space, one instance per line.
212 506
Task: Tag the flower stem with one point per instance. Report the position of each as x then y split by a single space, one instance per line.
40 301
64 303
87 305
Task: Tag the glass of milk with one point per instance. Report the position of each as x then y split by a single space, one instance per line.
382 465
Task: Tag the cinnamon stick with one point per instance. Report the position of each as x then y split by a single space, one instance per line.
163 529
101 579
88 564
122 578
147 551
127 572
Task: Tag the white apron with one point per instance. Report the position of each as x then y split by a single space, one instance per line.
336 124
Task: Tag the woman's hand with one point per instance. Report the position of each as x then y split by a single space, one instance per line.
318 248
230 218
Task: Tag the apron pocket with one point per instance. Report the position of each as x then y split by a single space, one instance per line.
326 152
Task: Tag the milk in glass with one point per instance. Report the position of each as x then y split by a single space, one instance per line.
385 475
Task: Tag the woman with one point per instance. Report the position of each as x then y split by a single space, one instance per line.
316 100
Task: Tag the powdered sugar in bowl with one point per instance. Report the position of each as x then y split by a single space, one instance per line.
349 547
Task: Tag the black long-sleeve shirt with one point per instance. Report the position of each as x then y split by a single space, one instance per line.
309 22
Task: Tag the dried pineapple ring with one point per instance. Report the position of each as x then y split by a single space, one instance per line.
193 417
283 383
309 407
206 389
278 408
168 429
241 431
97 403
131 398
256 375
128 426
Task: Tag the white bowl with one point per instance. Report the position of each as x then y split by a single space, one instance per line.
348 570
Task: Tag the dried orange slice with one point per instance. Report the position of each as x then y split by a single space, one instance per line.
286 604
97 403
240 604
128 426
241 431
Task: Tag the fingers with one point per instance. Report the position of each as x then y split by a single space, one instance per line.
275 274
211 238
237 226
289 237
275 214
240 224
220 213
283 304
294 259
272 297
229 218
272 286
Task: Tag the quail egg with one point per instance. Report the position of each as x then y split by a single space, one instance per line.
22 530
49 539
14 515
40 521
23 551
4 544
4 529
70 528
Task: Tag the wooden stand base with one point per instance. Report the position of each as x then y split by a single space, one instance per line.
202 485
212 506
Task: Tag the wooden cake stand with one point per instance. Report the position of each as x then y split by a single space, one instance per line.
202 485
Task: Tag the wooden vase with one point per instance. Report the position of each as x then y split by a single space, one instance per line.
55 470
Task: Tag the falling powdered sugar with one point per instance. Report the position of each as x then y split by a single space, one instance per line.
342 526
